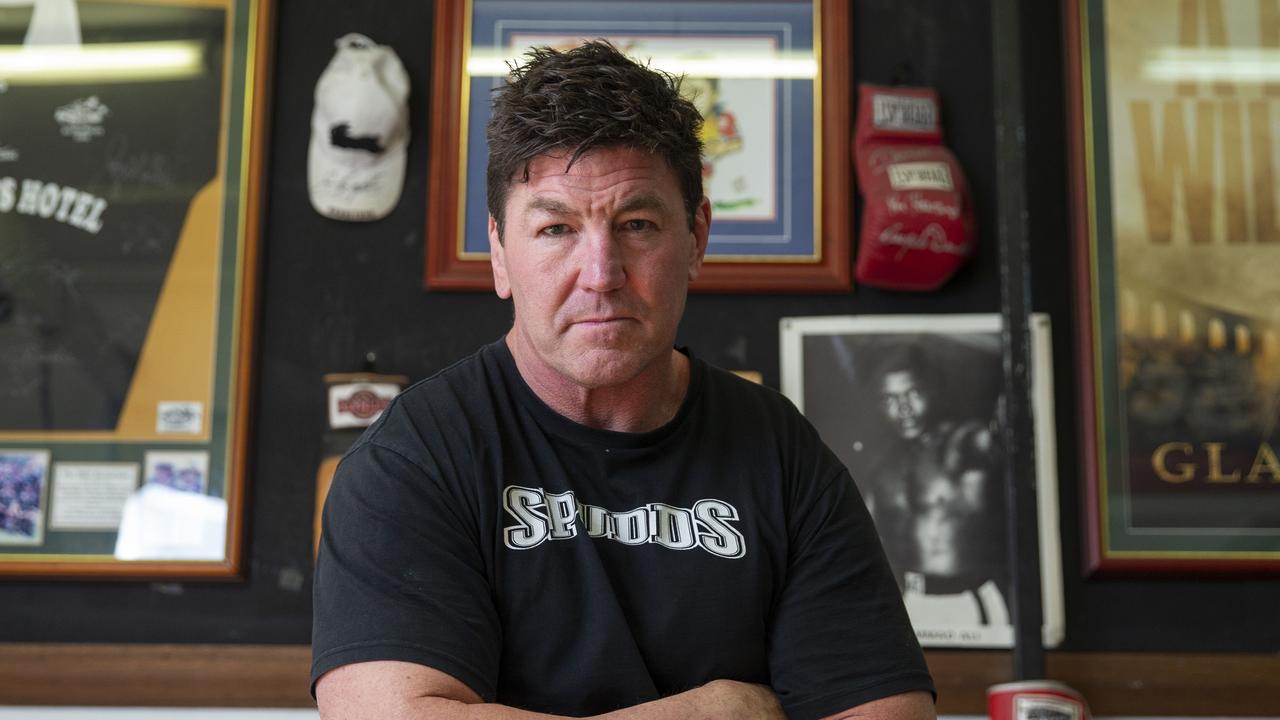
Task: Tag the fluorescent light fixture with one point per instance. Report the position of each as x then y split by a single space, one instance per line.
1246 65
787 66
102 62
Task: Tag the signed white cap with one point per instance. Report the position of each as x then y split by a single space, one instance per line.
53 22
359 132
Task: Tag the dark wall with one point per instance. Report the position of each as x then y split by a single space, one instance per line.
334 291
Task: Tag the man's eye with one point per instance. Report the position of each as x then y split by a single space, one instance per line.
638 225
555 230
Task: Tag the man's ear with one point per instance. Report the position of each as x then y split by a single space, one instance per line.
498 260
701 232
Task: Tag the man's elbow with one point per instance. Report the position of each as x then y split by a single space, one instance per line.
391 689
907 706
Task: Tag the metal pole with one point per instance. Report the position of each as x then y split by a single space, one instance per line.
1015 296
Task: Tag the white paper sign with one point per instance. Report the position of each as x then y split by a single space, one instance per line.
90 496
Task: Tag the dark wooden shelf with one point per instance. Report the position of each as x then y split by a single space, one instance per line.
276 676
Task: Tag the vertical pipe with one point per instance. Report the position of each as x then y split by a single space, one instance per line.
1015 296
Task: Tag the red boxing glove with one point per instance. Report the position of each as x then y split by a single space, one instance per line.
917 218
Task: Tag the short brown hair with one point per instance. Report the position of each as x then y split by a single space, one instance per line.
592 96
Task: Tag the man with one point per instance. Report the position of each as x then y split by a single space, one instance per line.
579 520
936 502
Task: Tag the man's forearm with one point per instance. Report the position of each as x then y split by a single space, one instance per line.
718 700
406 691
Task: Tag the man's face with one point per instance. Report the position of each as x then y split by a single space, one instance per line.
904 403
597 262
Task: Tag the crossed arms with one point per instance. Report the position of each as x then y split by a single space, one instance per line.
390 689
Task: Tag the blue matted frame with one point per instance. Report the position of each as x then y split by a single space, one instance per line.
800 245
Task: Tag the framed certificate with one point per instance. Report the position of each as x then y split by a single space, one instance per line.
771 79
1173 112
127 283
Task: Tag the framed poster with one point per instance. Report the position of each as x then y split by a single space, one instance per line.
912 405
771 78
130 169
1173 116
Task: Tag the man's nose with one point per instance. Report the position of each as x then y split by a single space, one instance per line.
602 268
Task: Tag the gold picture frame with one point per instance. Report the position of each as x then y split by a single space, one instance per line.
1172 123
132 316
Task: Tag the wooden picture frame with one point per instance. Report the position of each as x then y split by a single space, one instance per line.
814 233
132 451
1173 197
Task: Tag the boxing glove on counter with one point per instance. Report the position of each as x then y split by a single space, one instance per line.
917 216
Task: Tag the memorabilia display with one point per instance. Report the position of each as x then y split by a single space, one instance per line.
127 271
1035 699
918 219
355 401
771 81
23 479
912 405
359 132
1175 156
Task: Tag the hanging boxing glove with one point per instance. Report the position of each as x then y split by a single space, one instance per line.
917 216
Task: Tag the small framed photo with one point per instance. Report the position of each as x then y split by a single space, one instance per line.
183 471
913 406
23 480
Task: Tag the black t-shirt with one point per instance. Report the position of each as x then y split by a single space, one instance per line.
564 569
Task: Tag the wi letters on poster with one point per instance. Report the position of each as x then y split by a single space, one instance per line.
1175 123
912 405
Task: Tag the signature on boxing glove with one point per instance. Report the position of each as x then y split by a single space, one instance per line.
932 237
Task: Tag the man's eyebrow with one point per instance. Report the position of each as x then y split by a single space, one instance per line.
549 206
643 201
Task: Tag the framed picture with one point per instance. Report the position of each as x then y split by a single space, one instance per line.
912 404
1175 153
771 78
23 479
128 269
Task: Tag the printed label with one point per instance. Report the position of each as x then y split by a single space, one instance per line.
541 516
1045 708
179 417
903 112
920 176
62 203
81 120
356 405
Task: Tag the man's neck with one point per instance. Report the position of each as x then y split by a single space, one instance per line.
646 402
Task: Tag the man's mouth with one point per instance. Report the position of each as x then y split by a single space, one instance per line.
603 321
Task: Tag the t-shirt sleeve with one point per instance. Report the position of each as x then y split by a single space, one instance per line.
400 575
840 634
